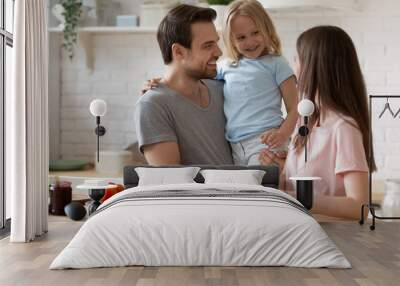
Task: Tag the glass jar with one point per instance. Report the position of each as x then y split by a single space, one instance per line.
61 195
391 200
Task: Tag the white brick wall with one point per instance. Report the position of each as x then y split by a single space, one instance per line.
123 62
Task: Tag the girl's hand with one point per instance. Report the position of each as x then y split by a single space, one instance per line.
273 138
149 84
267 156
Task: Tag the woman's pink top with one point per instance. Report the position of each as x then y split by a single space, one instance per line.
334 148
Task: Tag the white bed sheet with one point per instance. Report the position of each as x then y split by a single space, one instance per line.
200 231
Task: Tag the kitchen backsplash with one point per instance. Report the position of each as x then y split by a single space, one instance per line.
124 61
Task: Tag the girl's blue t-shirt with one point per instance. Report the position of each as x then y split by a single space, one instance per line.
252 98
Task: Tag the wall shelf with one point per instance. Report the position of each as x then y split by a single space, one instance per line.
85 37
312 5
107 30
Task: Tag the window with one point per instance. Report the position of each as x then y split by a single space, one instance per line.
6 44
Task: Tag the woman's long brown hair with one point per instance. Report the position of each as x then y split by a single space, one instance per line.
331 77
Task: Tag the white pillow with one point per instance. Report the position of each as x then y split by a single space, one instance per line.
163 176
248 177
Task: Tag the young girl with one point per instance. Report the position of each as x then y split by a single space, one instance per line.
329 74
256 79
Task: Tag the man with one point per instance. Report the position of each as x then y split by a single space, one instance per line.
181 121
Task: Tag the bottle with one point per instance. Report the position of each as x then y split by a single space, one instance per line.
61 195
391 200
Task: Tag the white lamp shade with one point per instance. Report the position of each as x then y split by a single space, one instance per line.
98 107
305 107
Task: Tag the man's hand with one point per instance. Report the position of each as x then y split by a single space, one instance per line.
149 84
273 138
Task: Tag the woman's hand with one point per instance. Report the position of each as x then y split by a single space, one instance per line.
356 188
267 156
273 138
149 84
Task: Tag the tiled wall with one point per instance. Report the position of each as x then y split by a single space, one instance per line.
124 61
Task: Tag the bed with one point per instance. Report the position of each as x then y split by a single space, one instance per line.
198 224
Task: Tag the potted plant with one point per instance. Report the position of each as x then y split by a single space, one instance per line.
72 13
220 7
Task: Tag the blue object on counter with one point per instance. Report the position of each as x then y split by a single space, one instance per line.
127 21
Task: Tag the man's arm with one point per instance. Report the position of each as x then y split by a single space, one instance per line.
163 153
155 131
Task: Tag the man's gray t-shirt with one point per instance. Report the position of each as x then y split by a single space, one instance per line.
163 114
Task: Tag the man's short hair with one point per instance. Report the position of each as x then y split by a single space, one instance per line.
176 27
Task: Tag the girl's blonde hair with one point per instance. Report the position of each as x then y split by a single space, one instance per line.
254 10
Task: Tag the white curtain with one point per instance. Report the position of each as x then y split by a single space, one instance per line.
27 123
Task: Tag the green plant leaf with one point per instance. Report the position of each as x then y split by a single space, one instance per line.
219 2
72 13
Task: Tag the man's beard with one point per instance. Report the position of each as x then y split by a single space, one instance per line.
201 74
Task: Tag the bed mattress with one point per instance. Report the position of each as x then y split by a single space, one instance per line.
201 225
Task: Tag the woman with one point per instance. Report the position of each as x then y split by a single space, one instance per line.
329 74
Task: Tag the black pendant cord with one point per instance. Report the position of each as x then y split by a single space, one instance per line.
305 150
98 137
98 144
305 144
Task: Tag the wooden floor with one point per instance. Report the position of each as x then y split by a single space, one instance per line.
374 255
